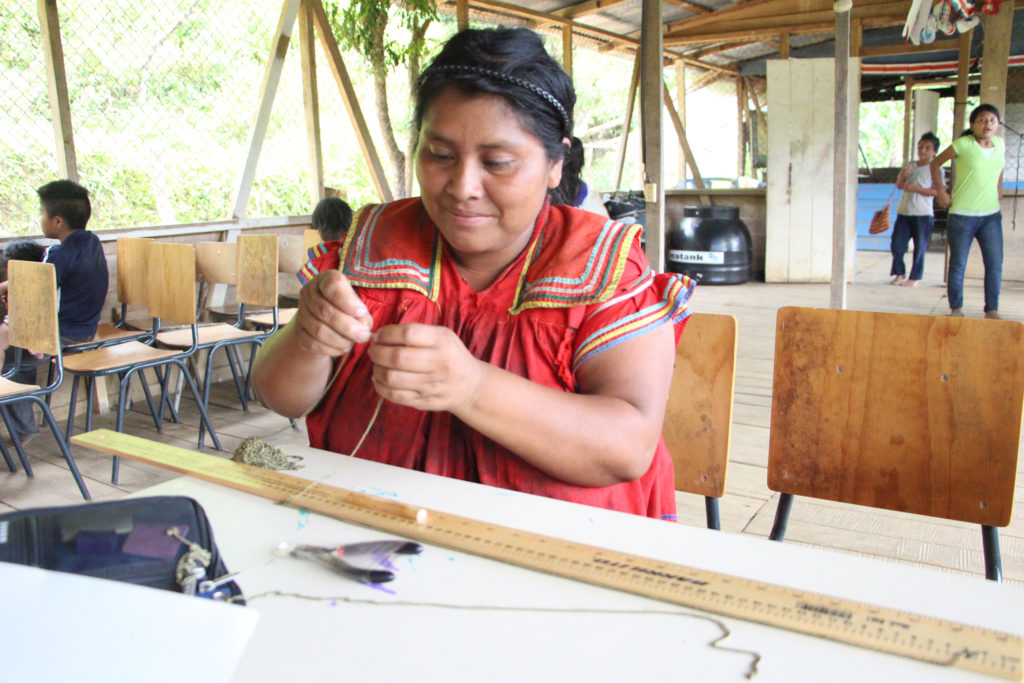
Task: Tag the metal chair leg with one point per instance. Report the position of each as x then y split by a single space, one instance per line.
166 398
51 370
993 559
781 516
15 440
90 398
248 374
207 378
7 457
202 407
71 409
235 365
711 512
65 451
122 391
156 415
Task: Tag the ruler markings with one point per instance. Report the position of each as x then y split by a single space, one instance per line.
873 627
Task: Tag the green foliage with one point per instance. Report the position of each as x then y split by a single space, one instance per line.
881 131
361 25
163 97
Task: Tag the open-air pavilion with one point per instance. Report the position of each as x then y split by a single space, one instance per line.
800 70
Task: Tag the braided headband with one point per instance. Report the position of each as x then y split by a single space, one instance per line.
497 75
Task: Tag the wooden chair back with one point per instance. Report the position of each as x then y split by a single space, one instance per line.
249 264
914 413
291 254
32 306
698 417
132 270
171 294
310 238
257 270
217 262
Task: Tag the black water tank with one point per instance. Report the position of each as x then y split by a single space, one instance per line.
712 245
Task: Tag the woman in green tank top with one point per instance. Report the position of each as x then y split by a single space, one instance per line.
974 212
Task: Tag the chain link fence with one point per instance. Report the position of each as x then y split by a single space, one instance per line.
162 98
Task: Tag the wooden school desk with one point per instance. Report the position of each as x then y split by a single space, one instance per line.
451 616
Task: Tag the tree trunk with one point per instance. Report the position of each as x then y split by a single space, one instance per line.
419 32
380 80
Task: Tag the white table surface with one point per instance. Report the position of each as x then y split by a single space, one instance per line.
451 616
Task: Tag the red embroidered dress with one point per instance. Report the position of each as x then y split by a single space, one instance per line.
581 286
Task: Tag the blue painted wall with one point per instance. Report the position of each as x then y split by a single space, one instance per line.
870 198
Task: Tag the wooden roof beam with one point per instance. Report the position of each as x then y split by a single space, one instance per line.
584 8
621 41
695 8
789 22
763 9
752 35
949 45
714 50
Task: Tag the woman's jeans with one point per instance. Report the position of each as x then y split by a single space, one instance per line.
920 229
960 232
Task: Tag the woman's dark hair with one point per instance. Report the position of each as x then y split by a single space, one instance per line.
66 199
332 218
512 64
978 111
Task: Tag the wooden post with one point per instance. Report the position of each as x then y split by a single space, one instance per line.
681 112
348 96
56 77
567 49
757 106
462 14
856 37
962 75
684 143
837 292
627 120
741 97
908 108
271 79
784 46
995 56
652 96
311 102
751 128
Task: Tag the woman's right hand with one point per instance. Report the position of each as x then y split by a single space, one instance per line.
942 198
331 318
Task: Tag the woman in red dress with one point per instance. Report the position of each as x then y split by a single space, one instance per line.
485 330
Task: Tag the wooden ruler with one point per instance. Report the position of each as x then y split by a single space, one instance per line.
869 626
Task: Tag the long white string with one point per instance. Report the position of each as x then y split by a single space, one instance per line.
366 432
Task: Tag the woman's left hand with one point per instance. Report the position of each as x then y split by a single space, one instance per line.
424 366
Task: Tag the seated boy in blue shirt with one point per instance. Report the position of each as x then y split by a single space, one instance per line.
82 280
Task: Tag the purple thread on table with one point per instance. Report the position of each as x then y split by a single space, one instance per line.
383 558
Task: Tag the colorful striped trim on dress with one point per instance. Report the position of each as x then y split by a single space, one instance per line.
672 308
605 265
391 273
308 271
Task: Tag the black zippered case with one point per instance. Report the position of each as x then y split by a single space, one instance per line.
122 540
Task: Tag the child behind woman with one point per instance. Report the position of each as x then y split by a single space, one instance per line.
914 214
